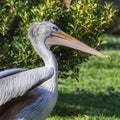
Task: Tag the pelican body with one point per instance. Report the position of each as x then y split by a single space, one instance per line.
32 94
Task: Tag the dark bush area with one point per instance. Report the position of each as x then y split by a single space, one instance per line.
115 29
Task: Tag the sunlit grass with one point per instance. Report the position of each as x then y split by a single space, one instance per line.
95 95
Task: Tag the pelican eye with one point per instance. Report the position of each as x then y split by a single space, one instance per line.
54 28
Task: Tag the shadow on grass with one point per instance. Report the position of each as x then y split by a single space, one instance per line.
84 102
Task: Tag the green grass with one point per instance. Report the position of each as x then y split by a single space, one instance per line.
95 95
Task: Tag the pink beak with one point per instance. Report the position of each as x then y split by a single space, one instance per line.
61 38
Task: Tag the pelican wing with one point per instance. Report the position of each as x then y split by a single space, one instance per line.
19 83
9 72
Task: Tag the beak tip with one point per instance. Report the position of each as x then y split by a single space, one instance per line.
108 57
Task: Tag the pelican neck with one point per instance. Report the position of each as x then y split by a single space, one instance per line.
45 53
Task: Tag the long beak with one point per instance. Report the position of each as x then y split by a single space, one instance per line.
61 38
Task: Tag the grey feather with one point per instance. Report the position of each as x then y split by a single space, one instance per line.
10 72
44 78
18 84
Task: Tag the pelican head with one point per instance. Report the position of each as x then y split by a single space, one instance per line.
49 34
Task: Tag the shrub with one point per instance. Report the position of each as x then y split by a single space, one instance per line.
84 19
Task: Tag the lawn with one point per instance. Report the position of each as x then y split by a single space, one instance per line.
95 95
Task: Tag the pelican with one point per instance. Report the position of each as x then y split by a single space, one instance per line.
32 94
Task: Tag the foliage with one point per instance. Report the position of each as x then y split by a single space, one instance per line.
84 19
